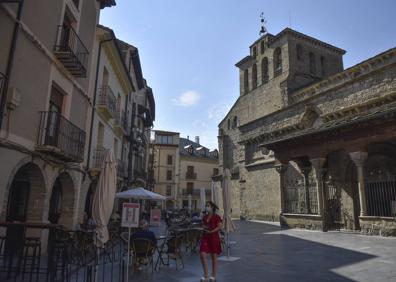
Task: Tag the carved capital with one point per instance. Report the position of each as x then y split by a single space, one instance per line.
358 158
281 168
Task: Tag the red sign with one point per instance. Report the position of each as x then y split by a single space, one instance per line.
155 217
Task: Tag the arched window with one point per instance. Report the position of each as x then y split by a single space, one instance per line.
235 122
323 65
229 124
254 51
246 81
277 61
262 47
299 52
254 76
312 63
264 69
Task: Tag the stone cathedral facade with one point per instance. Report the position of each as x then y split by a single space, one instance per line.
310 143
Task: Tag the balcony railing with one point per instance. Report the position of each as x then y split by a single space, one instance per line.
107 102
60 137
98 158
191 175
71 51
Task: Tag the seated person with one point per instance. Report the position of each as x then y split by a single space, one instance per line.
144 232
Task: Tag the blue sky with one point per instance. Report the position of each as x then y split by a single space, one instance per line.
188 48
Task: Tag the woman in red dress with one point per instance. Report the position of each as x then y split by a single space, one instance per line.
210 241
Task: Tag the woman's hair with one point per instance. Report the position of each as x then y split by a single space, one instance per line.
213 205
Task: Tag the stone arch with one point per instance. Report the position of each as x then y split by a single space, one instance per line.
22 162
62 200
26 193
381 161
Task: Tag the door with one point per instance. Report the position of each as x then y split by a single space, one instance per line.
54 118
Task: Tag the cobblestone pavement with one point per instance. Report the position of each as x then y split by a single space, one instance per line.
270 254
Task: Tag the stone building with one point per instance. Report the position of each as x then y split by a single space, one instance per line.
181 168
197 167
45 67
164 165
327 131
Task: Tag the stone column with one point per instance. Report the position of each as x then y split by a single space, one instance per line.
359 159
306 170
281 169
318 166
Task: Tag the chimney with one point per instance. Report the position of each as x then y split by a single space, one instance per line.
197 139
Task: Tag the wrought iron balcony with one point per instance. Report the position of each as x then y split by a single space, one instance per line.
71 51
98 158
61 138
107 103
191 175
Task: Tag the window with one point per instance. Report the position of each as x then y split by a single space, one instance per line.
170 159
262 47
164 139
254 76
254 51
312 63
246 81
169 190
277 61
323 65
190 169
190 188
229 124
264 69
235 122
168 175
299 52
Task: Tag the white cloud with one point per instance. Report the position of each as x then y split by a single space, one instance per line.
218 112
187 99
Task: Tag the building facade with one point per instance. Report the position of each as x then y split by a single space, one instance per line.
70 90
298 140
164 163
181 168
45 100
197 167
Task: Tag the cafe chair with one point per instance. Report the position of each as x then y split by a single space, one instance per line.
173 250
193 236
142 253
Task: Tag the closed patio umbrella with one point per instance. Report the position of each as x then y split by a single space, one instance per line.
214 194
103 200
228 224
202 199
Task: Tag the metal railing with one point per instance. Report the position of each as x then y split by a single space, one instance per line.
191 175
57 131
381 198
108 99
296 199
98 157
71 51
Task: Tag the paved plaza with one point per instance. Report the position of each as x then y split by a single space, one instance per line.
270 254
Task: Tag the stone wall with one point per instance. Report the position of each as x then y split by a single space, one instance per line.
382 226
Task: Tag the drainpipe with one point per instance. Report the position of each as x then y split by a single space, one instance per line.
11 54
94 98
